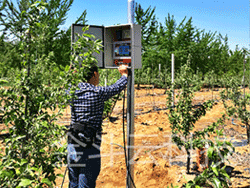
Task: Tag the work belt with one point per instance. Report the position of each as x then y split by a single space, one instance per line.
82 134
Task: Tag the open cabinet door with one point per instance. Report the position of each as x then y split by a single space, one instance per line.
97 31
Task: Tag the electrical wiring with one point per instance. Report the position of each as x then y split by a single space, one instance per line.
124 141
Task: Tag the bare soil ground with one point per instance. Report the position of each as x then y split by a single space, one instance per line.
157 161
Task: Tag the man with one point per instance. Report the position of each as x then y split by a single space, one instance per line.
84 138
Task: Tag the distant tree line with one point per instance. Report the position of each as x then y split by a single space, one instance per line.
206 51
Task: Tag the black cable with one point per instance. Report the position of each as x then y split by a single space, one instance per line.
124 141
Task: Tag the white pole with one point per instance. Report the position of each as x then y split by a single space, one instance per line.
172 79
130 102
159 69
131 11
105 82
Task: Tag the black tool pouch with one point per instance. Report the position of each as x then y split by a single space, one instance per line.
83 133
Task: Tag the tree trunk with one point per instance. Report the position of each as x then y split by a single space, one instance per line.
248 133
188 161
27 101
138 85
201 159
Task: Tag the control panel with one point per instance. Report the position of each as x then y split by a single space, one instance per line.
122 44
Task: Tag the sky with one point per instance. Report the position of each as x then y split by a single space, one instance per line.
228 17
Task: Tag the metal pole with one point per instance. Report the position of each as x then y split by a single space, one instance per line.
172 79
130 104
244 64
131 11
106 79
159 70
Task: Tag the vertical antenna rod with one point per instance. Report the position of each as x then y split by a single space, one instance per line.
131 11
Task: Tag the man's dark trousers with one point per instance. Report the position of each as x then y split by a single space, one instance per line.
84 164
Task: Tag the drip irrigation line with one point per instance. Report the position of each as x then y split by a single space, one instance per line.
64 176
148 94
162 109
5 135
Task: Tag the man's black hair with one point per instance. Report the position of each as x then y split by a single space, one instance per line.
91 71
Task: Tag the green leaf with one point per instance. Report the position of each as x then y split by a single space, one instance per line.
38 24
38 186
3 81
42 150
7 173
223 172
210 152
25 182
60 175
40 170
46 181
23 12
216 183
18 172
34 168
23 161
215 170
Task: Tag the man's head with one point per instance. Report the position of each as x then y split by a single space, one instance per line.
93 75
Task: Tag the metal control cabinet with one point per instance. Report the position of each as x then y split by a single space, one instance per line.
121 44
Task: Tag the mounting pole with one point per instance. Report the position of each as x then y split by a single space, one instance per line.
172 80
130 105
159 70
244 89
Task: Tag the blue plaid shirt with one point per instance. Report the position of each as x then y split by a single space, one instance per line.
89 105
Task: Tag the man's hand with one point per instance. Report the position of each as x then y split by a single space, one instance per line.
123 69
